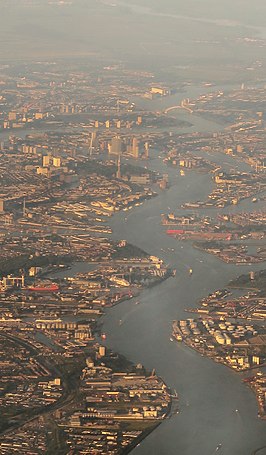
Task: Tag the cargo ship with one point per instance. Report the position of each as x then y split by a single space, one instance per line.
44 288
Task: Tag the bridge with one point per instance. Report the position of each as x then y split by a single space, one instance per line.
180 106
172 108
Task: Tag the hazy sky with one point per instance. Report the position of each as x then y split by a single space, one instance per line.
247 11
168 32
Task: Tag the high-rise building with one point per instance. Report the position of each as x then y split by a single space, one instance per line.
116 146
118 172
94 138
12 116
29 149
252 275
146 150
93 141
135 147
102 351
56 161
45 160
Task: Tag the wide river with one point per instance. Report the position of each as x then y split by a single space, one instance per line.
209 393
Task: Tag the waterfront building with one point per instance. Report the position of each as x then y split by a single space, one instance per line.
102 351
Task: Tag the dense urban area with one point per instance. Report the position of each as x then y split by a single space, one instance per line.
81 143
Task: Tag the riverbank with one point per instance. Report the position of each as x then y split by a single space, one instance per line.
161 305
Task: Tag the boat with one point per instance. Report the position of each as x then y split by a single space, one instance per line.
254 199
44 288
218 447
137 302
103 336
171 339
182 173
174 395
179 337
190 271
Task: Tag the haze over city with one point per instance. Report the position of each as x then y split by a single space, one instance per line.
132 227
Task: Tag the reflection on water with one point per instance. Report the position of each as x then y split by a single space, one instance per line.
209 393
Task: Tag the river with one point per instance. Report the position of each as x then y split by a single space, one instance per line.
209 393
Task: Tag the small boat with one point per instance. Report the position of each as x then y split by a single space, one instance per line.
103 336
137 302
120 321
218 447
190 271
171 339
